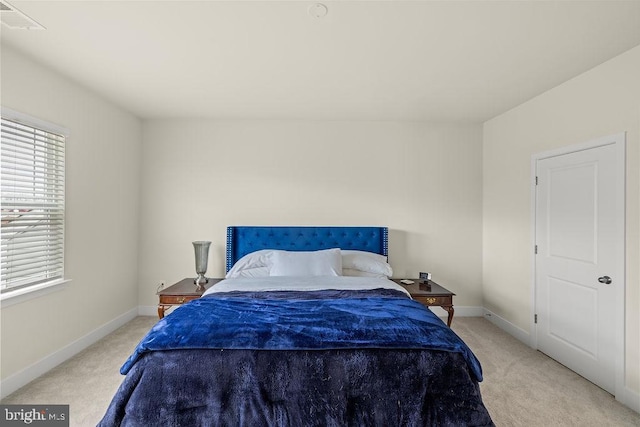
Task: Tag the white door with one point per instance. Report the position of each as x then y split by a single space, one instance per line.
580 259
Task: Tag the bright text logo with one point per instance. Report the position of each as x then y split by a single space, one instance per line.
37 415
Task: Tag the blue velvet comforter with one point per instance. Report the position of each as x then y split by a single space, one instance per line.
323 358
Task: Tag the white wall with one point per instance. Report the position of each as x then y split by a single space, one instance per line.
102 212
421 180
453 207
603 101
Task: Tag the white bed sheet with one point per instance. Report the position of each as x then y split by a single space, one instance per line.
306 283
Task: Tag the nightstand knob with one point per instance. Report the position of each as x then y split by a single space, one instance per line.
181 300
431 300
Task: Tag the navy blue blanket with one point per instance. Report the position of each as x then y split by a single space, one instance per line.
229 322
194 385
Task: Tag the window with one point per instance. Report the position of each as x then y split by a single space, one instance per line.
32 203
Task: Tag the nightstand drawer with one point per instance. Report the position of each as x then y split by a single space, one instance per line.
430 294
429 300
181 293
176 299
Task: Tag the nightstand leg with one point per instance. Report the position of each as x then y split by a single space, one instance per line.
161 309
450 316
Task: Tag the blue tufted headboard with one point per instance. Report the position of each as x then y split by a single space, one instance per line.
242 240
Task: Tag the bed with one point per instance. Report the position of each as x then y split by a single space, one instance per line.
306 330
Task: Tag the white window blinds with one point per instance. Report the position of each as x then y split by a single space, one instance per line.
32 205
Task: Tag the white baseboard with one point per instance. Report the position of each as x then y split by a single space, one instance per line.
30 373
630 399
508 327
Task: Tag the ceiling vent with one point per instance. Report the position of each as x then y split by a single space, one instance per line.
15 19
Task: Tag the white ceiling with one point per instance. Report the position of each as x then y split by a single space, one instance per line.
365 60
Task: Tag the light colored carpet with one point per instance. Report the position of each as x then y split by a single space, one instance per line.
521 387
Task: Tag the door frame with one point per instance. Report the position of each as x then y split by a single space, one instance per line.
619 142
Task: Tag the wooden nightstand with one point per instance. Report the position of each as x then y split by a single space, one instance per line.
179 293
431 294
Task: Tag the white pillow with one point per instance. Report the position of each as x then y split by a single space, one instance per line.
250 272
367 262
354 263
248 265
327 262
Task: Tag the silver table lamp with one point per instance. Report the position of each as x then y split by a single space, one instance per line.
201 249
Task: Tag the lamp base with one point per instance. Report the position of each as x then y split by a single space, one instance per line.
200 281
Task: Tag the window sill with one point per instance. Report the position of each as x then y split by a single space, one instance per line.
24 294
